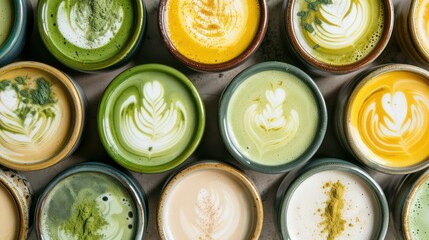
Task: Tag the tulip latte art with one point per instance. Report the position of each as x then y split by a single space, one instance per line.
340 32
389 119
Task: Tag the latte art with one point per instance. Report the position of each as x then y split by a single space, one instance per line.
271 128
149 125
84 25
391 119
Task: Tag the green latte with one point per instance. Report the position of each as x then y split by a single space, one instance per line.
6 20
418 213
150 117
88 205
89 31
338 32
272 117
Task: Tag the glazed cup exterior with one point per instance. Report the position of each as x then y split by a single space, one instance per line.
112 63
291 182
15 43
223 124
132 187
79 104
22 192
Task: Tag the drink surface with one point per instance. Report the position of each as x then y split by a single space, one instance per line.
418 212
9 221
272 117
6 19
212 31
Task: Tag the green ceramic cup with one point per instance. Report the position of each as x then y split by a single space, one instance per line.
151 118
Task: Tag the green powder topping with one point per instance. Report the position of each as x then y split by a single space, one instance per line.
334 222
85 221
41 95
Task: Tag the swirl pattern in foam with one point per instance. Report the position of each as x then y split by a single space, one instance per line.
30 124
341 32
422 23
208 204
212 31
84 25
150 126
389 119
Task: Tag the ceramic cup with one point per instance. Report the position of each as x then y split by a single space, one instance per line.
272 117
411 30
151 118
410 206
337 36
42 114
92 35
210 200
331 199
382 118
91 200
15 202
13 18
212 35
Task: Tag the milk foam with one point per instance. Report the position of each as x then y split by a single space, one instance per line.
74 25
208 204
150 126
422 23
303 213
214 23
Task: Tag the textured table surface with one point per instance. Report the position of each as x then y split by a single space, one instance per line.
210 86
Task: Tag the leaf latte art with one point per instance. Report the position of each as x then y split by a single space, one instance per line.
149 125
390 119
271 128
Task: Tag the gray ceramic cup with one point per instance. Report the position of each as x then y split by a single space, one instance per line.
272 117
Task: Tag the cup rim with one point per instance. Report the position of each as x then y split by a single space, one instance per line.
358 83
218 67
406 210
327 164
321 126
18 28
199 129
175 178
306 57
22 212
133 41
412 22
77 105
136 193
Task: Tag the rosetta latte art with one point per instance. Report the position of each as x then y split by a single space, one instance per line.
84 25
150 126
271 128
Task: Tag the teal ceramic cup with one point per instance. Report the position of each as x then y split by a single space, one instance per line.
272 117
92 35
331 198
13 19
91 200
151 118
410 206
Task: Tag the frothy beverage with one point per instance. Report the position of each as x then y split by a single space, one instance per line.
421 22
35 115
7 19
208 204
88 205
88 31
212 31
339 32
9 221
388 119
418 212
332 204
272 117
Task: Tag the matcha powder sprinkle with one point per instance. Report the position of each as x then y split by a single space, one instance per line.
334 222
85 221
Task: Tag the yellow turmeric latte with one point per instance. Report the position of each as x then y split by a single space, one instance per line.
421 22
389 119
212 31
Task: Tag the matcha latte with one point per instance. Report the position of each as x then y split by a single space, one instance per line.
6 19
151 118
271 116
91 35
